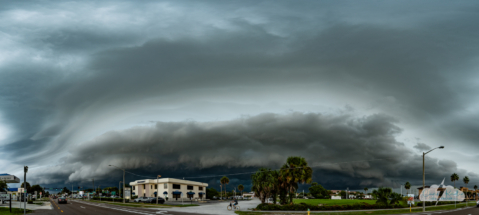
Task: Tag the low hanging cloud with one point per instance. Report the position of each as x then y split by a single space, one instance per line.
360 150
422 147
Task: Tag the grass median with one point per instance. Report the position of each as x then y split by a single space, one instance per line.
15 211
394 211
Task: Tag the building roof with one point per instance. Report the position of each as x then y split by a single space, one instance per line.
167 180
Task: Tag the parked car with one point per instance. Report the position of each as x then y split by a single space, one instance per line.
141 199
477 204
114 196
153 200
62 200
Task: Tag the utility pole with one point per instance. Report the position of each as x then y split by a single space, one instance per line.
93 181
157 194
25 170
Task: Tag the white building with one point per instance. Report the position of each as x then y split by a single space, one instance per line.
173 188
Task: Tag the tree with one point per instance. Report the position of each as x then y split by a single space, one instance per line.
343 194
262 183
407 186
210 192
318 191
3 185
454 178
365 190
37 188
294 171
383 194
225 180
66 190
28 187
475 187
466 181
395 198
241 188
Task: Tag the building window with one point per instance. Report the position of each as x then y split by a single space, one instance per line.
151 186
144 187
200 188
189 187
176 196
156 186
134 187
166 186
176 186
190 196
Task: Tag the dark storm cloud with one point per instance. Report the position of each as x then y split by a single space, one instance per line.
422 147
359 151
75 70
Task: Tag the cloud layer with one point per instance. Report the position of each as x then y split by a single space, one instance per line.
81 83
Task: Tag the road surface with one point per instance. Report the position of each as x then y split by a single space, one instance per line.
78 207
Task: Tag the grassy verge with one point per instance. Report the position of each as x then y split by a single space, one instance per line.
332 201
400 211
15 211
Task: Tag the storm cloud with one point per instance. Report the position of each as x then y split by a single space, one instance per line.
206 87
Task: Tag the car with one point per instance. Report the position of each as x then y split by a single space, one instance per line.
153 200
114 196
62 200
141 199
477 204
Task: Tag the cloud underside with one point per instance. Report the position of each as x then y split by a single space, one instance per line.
357 151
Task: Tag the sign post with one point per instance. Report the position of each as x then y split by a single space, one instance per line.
410 201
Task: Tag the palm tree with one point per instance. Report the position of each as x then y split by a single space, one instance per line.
225 180
454 178
466 181
407 186
262 183
241 188
383 195
365 190
294 171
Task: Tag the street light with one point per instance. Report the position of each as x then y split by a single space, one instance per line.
157 194
119 188
424 177
123 181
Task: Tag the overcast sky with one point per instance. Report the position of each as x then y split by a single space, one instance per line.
201 88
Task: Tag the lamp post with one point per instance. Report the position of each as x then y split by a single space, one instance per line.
424 177
123 181
119 187
157 194
25 170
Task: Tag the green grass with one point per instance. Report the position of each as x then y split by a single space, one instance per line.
15 211
399 211
333 201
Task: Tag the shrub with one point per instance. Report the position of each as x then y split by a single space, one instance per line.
304 207
30 201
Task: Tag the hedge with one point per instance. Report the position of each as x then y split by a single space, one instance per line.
304 207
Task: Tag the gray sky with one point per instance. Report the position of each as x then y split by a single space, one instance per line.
195 88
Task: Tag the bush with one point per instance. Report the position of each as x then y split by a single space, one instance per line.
305 207
30 202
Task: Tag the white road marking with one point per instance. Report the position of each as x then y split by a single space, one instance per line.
82 207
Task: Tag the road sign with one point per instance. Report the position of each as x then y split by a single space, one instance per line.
40 193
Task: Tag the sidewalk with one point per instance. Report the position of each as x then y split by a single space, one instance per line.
16 204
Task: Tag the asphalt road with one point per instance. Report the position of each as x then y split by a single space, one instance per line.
461 211
79 208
